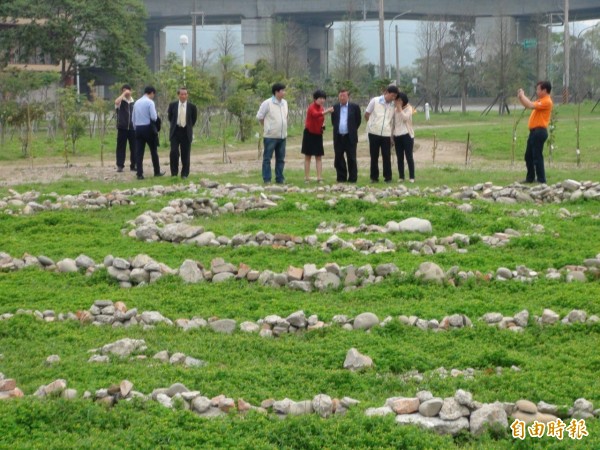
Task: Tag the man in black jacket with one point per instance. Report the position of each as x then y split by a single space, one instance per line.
182 117
125 130
346 120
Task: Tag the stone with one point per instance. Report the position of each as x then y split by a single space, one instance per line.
176 388
464 398
576 276
66 265
249 327
125 388
435 424
549 317
102 359
190 272
200 404
304 286
69 394
223 276
522 318
7 385
83 261
56 387
452 410
430 272
406 405
323 405
152 318
489 415
194 362
226 326
577 316
177 358
384 270
357 361
547 408
121 264
164 400
52 359
526 406
297 319
365 321
431 407
376 412
416 225
295 273
301 408
124 347
326 280
162 356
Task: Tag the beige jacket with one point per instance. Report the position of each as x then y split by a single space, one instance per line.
403 121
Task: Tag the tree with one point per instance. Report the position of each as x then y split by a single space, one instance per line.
348 56
458 55
226 43
432 36
107 34
286 40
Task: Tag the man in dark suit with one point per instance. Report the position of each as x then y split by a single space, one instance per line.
182 117
346 120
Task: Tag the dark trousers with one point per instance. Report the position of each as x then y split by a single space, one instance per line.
384 144
145 134
345 172
180 141
404 148
123 137
534 155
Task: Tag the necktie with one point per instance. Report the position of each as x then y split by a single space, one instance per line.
181 116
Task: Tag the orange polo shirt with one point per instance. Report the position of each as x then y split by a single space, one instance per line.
540 116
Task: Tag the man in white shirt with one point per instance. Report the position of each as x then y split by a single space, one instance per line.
273 116
182 117
379 115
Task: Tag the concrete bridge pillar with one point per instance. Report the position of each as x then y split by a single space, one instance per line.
311 44
157 42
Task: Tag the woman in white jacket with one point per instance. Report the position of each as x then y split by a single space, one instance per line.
404 136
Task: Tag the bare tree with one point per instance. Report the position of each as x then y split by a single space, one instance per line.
227 49
432 37
286 41
458 55
348 56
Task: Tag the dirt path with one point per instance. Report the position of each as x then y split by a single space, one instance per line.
207 162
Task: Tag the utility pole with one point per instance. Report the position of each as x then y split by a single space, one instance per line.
381 41
567 53
397 60
195 15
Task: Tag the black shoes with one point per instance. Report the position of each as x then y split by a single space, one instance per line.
119 169
159 174
140 177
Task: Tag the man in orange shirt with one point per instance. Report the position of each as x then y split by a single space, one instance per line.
538 130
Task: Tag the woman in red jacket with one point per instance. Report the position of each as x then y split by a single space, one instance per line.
312 140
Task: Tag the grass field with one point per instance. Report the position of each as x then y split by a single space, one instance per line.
558 363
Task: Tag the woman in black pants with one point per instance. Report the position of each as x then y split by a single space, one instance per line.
404 136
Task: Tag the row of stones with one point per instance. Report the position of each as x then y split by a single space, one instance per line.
178 396
452 414
105 312
148 231
443 415
142 269
567 190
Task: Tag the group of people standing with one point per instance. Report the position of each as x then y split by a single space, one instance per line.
389 123
138 124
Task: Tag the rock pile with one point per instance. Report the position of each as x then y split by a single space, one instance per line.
179 359
452 414
8 388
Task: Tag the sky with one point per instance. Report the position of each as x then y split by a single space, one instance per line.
369 33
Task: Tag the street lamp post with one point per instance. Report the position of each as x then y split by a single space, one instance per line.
183 41
389 43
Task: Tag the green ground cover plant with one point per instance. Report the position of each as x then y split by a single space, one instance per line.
558 364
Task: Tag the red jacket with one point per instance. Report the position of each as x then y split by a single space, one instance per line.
314 119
